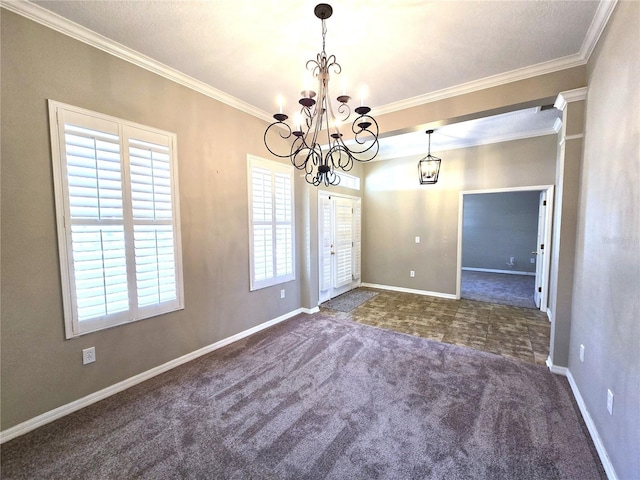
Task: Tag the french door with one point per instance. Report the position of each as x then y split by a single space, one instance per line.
339 255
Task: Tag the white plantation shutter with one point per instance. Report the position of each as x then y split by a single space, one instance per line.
270 222
357 239
343 247
151 202
325 243
262 225
119 246
283 213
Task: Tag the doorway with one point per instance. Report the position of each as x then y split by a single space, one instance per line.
507 262
340 246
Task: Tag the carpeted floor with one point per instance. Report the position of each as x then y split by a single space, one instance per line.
322 398
502 288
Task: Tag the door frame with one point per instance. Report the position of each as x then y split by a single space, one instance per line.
355 283
549 189
540 251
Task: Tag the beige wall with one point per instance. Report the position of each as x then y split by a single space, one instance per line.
396 208
606 307
530 92
41 370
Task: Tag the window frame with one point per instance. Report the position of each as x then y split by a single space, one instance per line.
348 181
128 133
274 168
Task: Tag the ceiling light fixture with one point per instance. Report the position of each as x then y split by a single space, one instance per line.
429 166
317 114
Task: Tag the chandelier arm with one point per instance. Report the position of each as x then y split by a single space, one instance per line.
344 157
285 137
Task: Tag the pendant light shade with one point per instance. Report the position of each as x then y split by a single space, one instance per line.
429 166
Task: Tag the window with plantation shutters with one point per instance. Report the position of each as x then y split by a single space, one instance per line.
270 222
116 203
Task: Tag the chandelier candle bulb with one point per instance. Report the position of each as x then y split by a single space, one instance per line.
363 95
317 146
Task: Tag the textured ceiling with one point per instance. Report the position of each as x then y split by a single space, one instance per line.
399 49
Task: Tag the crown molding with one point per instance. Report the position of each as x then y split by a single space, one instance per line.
569 96
484 83
67 27
56 22
598 24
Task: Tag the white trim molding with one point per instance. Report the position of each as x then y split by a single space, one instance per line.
493 270
591 426
409 290
76 405
56 22
563 371
543 68
593 431
568 96
550 192
598 24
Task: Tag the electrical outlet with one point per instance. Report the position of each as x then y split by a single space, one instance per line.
417 239
88 355
582 353
610 402
533 260
282 293
412 274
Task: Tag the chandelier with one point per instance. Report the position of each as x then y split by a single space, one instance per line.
429 166
317 146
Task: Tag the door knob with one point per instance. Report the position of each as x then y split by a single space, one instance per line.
534 253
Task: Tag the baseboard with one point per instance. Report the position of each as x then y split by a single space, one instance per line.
64 410
491 270
555 369
410 290
593 431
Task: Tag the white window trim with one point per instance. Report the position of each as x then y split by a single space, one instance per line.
348 181
74 328
274 167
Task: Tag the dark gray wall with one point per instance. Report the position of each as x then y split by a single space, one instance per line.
497 226
606 306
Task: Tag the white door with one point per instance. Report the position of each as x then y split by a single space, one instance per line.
339 244
540 251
